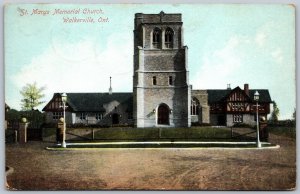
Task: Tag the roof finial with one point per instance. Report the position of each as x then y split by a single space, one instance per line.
228 87
110 89
161 15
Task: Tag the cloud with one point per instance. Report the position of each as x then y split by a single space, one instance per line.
260 39
264 34
219 66
277 55
80 67
225 65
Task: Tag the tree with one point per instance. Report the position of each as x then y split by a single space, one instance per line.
294 114
32 96
275 113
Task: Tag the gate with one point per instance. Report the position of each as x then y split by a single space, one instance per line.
34 130
34 134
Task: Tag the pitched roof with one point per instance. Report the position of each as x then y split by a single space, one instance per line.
93 102
217 95
264 95
220 95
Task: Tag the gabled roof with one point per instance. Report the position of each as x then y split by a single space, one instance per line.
264 95
93 102
215 96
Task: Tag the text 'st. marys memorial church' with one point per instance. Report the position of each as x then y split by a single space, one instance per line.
162 95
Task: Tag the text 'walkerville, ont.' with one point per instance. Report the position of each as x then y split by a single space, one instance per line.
77 15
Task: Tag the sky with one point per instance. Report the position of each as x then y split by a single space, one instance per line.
228 44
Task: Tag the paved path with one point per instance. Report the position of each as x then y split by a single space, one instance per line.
157 169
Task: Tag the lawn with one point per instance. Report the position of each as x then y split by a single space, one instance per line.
283 131
155 134
167 134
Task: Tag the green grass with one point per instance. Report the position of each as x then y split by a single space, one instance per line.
283 131
126 133
48 132
150 134
162 133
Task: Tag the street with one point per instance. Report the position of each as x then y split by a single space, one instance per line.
35 168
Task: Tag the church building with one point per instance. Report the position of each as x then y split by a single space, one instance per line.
162 95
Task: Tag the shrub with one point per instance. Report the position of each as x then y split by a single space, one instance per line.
201 124
283 123
242 125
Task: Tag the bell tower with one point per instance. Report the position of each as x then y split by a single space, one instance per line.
161 87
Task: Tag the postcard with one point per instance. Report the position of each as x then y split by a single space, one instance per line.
150 97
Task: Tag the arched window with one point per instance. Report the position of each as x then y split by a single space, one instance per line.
169 38
195 106
156 40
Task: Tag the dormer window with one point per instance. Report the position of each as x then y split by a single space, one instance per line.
169 38
156 40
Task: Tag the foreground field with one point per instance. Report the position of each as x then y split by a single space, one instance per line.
36 168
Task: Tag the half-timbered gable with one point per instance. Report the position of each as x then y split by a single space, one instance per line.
238 101
55 104
228 107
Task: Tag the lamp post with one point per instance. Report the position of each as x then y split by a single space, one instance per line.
64 100
256 98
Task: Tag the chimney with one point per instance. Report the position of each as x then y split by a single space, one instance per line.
110 89
246 89
228 87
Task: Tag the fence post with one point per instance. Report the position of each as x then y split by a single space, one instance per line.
16 136
23 130
93 134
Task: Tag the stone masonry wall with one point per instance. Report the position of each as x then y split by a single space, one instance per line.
247 119
161 62
202 97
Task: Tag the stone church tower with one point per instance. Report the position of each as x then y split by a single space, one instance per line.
161 90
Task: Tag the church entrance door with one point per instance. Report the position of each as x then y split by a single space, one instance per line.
115 118
163 115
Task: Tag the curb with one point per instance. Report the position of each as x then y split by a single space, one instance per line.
162 143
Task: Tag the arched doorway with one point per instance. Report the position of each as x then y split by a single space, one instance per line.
163 115
115 118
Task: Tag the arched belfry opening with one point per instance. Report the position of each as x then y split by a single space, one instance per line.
156 38
169 34
163 114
